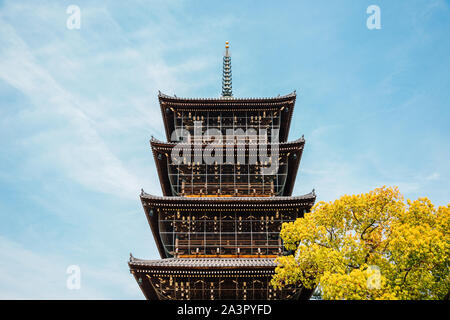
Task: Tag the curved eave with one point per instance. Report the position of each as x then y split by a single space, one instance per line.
168 98
164 149
144 270
169 105
152 201
190 264
144 284
160 145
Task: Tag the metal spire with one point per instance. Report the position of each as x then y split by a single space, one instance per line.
227 89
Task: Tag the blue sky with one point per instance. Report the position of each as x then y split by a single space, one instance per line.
77 108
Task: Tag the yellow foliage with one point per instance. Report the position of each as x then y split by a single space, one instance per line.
369 246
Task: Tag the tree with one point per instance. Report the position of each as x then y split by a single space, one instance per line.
369 246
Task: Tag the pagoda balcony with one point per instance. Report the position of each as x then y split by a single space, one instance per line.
221 226
245 175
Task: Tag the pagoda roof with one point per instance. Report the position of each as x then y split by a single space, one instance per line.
297 144
162 149
204 263
170 104
145 270
235 202
227 100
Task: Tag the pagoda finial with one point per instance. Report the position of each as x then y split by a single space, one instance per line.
226 75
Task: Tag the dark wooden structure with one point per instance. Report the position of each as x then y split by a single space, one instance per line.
217 224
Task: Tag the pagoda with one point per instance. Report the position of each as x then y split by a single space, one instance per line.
224 200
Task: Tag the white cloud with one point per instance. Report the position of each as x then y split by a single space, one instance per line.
25 274
91 106
86 158
79 124
75 124
432 177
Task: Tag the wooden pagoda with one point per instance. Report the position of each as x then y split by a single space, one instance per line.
217 224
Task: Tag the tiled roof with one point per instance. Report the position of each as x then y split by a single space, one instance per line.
237 200
155 143
205 262
227 99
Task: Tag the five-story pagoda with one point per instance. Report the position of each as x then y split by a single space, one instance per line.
227 173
